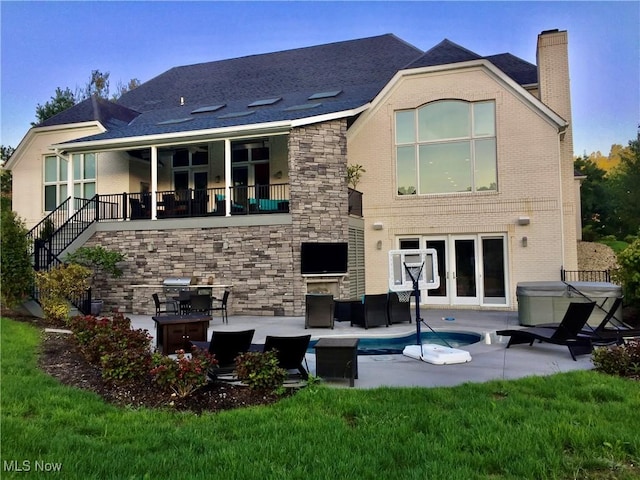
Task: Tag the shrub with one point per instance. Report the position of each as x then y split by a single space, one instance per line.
110 343
628 275
99 260
620 360
589 234
183 375
17 272
261 371
58 285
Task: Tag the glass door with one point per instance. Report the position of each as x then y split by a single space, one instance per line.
494 290
439 296
465 273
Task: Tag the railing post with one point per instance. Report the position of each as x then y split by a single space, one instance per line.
124 205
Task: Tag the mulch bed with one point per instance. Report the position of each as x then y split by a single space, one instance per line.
60 358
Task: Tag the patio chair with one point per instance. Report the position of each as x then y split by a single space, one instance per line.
372 312
200 304
226 346
318 311
398 311
168 307
221 306
291 352
617 332
567 333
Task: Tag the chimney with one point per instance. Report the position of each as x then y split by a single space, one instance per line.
553 72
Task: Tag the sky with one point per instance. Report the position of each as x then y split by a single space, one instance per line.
45 45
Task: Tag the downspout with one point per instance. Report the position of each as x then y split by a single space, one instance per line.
561 132
71 209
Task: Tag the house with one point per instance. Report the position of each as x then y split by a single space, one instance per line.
227 171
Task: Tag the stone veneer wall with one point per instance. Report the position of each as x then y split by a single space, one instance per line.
319 193
262 262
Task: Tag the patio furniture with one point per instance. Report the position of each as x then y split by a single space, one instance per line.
337 358
168 307
617 332
290 351
184 301
138 210
398 311
372 312
175 332
200 303
318 311
221 306
567 333
226 346
342 308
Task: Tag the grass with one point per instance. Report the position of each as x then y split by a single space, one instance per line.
573 425
616 245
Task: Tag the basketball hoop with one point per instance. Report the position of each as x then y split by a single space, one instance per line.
404 296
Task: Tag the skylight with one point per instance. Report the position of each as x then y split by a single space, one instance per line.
237 114
265 101
210 108
304 106
329 94
175 120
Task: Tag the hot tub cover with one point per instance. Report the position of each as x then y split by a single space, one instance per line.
562 289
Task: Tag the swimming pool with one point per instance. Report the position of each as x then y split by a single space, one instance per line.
395 345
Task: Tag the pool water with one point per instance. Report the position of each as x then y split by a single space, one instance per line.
395 345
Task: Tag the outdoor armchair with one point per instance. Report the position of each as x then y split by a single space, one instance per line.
318 311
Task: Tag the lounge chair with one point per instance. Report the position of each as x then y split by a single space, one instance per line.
291 352
616 332
567 333
226 346
318 311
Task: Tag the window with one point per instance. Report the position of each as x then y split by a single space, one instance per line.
55 182
446 147
84 175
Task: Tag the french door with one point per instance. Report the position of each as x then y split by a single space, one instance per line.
472 269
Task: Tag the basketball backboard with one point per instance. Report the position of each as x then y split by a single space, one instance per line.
419 263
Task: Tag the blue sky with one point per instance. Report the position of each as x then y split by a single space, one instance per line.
57 44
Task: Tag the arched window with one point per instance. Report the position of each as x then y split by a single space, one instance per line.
447 146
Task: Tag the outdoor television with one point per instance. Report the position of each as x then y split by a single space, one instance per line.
324 258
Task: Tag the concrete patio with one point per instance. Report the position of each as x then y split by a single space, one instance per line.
491 360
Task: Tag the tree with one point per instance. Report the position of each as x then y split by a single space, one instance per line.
121 89
62 100
595 198
17 272
625 179
98 85
5 178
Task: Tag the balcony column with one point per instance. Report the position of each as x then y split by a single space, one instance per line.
227 176
154 182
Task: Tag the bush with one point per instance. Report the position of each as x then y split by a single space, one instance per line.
183 375
620 360
58 285
17 271
261 371
121 352
589 234
628 275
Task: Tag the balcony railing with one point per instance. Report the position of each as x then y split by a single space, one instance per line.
245 200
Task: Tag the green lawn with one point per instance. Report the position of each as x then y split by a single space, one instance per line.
575 425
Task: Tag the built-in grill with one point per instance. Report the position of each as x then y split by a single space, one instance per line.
176 284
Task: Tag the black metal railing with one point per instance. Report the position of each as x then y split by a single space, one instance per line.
55 233
585 275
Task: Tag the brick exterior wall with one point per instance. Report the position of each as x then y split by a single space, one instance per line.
535 179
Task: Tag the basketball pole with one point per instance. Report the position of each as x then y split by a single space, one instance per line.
419 320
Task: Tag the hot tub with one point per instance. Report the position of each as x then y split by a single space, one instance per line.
547 302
